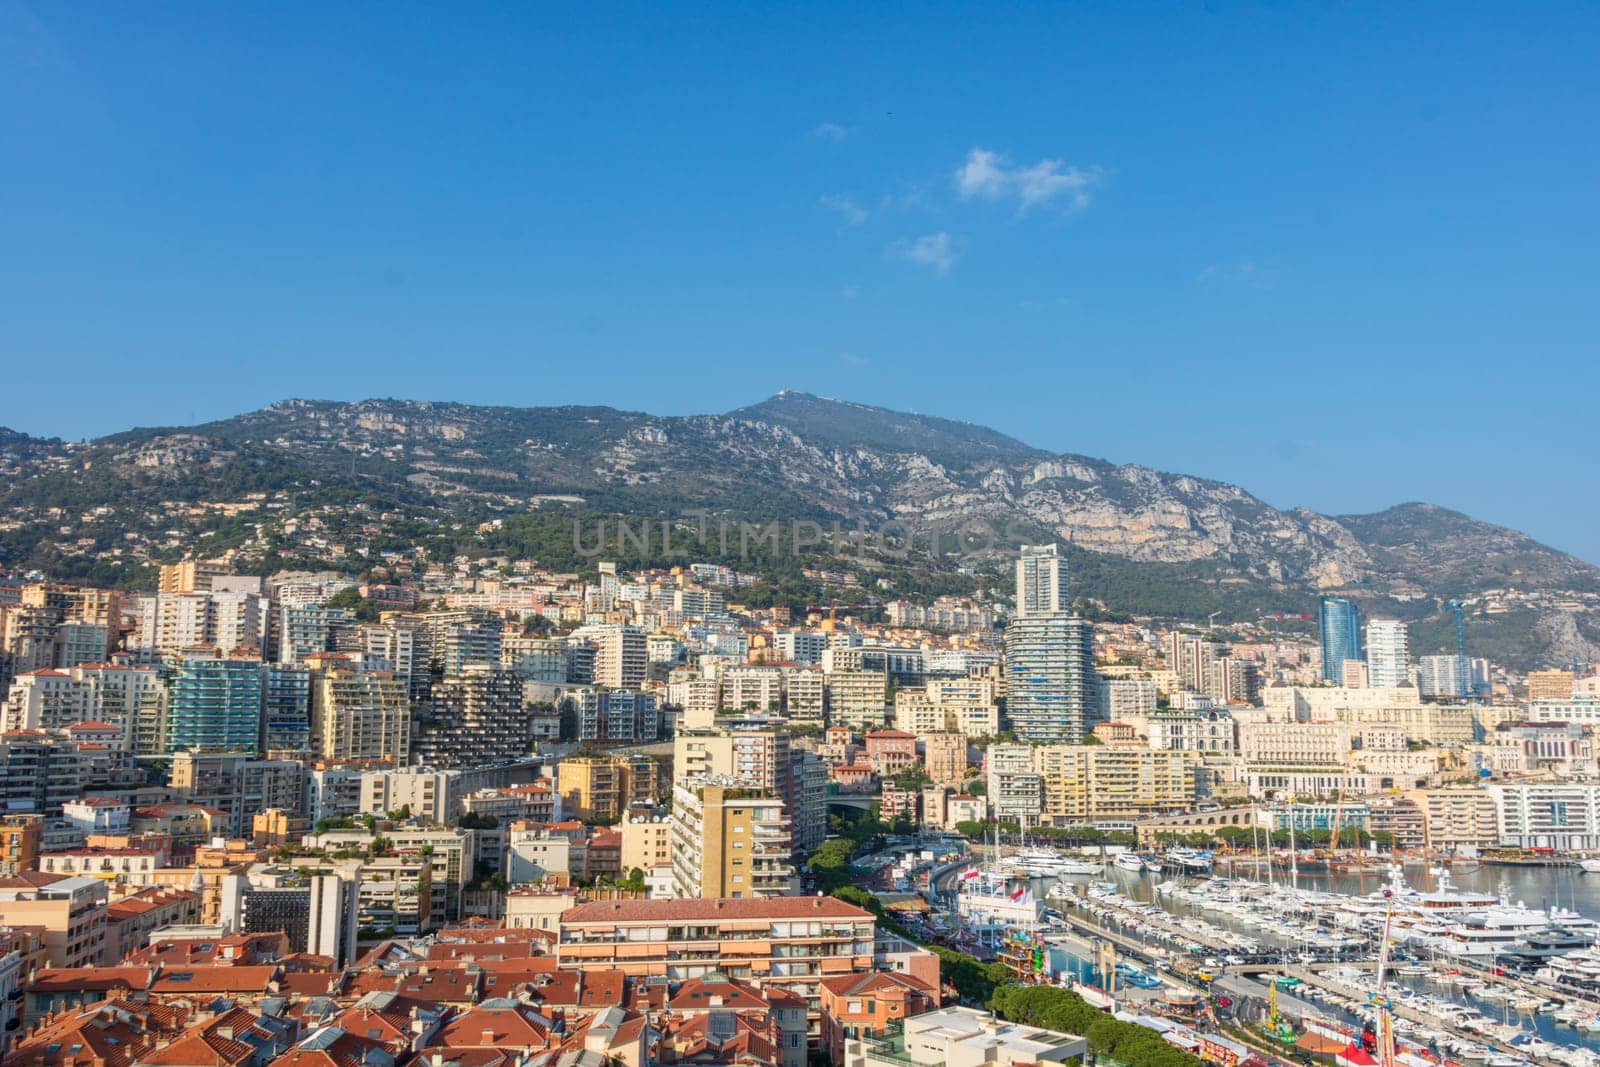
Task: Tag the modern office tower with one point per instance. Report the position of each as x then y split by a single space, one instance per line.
306 631
620 654
214 705
359 715
472 719
1052 690
1339 629
729 843
1041 581
1388 654
286 708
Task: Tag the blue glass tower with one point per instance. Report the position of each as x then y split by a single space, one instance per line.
1339 629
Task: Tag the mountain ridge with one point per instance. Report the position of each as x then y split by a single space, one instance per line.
793 455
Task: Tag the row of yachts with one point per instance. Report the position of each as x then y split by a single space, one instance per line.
1445 922
1050 863
1460 1030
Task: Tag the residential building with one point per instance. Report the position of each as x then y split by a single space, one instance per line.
359 715
620 654
791 943
944 756
1083 785
1042 582
214 705
236 785
1550 685
473 719
729 841
1388 654
70 909
1560 816
869 1005
1052 692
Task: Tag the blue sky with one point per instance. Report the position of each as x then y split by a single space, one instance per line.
1345 257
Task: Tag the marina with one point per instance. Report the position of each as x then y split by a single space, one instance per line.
1468 964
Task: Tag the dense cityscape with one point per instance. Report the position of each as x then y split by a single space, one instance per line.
480 811
799 535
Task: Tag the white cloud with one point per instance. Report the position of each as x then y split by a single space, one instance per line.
989 175
853 213
935 250
830 131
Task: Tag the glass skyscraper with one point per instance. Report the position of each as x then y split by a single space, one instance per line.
1339 630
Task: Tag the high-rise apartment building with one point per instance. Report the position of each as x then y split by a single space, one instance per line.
359 715
598 787
191 576
1442 677
310 630
1042 581
214 705
473 719
1339 630
729 842
286 709
620 654
1388 654
1052 690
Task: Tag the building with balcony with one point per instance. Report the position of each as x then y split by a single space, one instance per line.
789 942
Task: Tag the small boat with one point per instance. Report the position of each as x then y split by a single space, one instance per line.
1589 866
1130 861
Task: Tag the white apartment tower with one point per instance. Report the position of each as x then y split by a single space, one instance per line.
1042 581
1388 654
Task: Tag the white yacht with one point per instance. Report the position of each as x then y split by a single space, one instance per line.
1130 861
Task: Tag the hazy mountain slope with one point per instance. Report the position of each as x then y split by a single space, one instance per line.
1142 537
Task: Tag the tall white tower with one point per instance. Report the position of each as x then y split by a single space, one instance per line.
1388 654
1041 581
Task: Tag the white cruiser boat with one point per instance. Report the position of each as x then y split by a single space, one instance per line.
1589 866
1130 861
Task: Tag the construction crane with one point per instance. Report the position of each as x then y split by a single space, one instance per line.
1463 672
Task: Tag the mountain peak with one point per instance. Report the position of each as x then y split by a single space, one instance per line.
846 424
